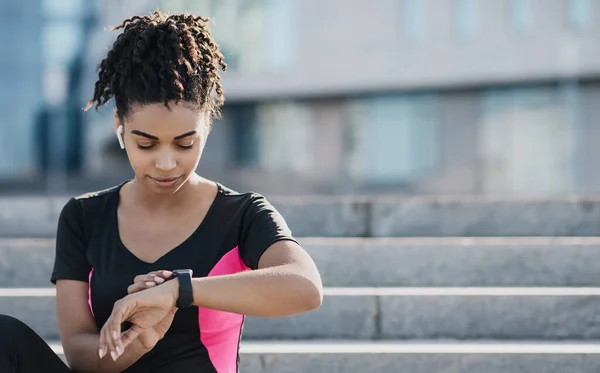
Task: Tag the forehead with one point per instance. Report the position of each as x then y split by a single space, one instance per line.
158 120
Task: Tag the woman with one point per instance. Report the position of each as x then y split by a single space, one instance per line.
155 274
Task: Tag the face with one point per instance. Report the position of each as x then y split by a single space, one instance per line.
164 147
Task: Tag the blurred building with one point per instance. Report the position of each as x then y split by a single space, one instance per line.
337 96
42 44
20 85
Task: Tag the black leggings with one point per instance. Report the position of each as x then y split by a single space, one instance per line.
23 351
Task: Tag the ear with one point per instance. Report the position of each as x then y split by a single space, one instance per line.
207 128
119 130
117 121
120 137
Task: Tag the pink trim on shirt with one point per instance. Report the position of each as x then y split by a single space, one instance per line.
90 291
220 331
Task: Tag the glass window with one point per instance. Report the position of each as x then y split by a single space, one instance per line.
253 35
244 134
285 133
226 16
579 13
465 17
395 138
60 42
63 8
281 33
526 143
274 136
521 15
412 18
240 29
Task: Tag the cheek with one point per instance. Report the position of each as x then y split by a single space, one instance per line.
140 160
189 160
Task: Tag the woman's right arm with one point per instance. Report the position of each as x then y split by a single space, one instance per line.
79 335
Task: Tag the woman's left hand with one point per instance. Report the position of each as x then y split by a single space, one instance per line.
143 310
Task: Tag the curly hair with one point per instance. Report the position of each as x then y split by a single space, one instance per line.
159 59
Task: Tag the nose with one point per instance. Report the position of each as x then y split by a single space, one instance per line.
165 161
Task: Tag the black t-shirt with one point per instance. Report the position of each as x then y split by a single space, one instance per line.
235 232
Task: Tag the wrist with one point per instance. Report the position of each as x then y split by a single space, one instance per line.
173 287
185 292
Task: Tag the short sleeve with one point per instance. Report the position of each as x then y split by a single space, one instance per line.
262 226
70 261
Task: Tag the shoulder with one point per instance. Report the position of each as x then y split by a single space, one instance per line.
232 194
90 204
253 209
99 195
249 200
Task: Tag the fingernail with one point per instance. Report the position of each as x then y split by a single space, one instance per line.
115 336
149 283
160 280
100 353
113 355
119 351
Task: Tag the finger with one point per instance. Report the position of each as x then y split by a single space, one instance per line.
115 336
113 325
162 274
103 349
165 274
139 286
154 273
129 336
113 347
150 277
106 342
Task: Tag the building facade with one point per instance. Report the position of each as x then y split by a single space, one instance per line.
399 96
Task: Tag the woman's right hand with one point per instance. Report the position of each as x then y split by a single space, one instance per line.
150 280
151 336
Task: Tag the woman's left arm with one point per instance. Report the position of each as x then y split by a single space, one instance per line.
286 282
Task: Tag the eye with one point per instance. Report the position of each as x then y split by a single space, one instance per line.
185 147
145 147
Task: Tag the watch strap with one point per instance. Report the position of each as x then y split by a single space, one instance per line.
186 292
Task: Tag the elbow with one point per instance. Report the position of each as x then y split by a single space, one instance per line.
70 355
301 292
316 299
313 296
72 348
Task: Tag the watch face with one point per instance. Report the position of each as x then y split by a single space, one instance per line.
182 271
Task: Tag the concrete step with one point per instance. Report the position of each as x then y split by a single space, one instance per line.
415 356
430 216
447 261
395 313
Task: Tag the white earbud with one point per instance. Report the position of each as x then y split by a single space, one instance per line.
120 136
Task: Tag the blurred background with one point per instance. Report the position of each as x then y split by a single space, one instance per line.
327 96
444 101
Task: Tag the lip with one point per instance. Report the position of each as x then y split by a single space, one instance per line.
165 182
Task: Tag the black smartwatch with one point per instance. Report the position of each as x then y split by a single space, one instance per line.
186 292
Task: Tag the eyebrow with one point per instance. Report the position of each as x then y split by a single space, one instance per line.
151 137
